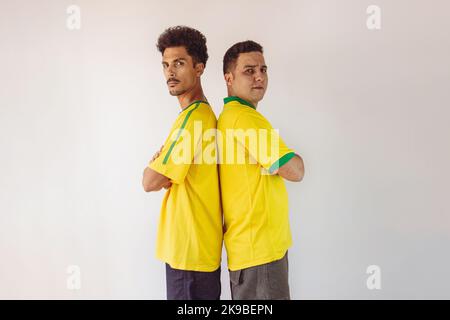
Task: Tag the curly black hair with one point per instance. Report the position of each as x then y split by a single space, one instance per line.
181 36
233 52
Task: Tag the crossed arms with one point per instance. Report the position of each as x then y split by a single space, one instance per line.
293 170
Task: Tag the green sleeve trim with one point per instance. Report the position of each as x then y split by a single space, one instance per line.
281 162
166 158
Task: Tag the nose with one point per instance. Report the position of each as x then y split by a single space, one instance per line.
170 72
259 76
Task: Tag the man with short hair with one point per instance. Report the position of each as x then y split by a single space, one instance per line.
190 227
254 197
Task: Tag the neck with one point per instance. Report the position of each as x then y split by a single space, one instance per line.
188 97
231 94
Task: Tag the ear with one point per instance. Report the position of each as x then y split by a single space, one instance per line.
228 78
199 68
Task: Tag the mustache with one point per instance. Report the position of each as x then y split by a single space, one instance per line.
172 80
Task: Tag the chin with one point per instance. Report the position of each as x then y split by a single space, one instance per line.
258 98
176 93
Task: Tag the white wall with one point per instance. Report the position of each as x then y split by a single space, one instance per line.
82 112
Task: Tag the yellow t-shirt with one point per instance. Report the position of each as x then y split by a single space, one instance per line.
190 227
254 200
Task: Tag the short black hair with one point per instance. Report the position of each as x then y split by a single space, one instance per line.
181 36
232 54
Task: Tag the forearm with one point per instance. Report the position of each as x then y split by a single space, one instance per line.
154 181
293 170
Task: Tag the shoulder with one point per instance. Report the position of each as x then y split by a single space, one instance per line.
230 115
200 112
251 118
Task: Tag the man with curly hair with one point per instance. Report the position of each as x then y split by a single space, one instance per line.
254 196
189 237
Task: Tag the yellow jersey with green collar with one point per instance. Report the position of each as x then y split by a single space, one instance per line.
190 224
254 200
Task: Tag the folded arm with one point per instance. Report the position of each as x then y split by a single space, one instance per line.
154 181
293 170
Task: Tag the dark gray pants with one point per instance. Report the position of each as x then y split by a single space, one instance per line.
268 281
192 285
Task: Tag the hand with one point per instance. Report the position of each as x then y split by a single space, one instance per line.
168 185
156 155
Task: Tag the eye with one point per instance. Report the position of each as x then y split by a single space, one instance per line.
178 64
249 71
264 70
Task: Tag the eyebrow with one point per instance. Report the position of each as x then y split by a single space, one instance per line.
253 66
176 60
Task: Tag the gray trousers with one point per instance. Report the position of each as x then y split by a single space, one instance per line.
192 285
268 281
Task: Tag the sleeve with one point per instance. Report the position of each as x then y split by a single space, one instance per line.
179 151
262 142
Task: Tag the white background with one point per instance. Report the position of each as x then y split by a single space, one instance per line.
82 112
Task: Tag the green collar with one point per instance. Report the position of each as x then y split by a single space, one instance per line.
197 101
241 101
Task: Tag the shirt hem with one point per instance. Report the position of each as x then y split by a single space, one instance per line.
185 267
258 262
